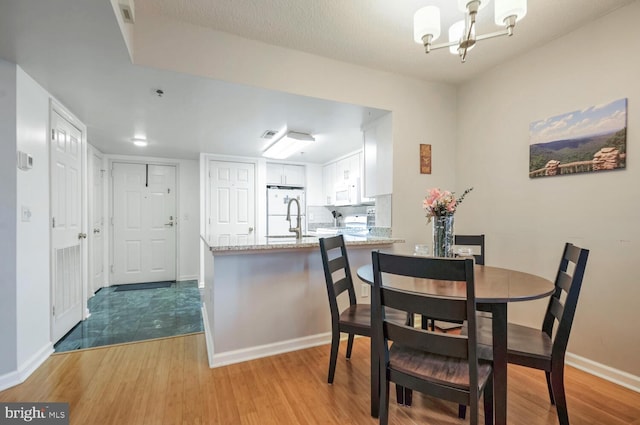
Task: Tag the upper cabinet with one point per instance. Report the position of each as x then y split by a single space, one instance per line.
348 168
285 174
329 183
378 157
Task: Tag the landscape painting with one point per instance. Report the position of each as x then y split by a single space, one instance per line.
593 139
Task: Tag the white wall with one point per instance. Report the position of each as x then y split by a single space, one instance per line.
527 220
8 186
188 174
423 112
33 256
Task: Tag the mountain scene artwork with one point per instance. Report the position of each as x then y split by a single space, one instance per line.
592 139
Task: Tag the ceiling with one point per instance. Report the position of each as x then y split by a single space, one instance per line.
75 50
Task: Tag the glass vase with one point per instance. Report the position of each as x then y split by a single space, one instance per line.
443 236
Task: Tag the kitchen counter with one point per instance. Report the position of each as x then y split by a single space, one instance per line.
269 297
292 243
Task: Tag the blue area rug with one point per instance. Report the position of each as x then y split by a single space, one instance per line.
147 285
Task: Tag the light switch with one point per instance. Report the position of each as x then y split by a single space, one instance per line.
26 213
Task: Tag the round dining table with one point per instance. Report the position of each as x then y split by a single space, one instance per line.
495 288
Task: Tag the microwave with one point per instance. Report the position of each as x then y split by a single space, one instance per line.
348 193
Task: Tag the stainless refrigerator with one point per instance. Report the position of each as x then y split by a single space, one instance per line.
278 198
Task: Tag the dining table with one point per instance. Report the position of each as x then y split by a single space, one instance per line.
495 288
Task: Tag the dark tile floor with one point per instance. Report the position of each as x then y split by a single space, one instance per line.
126 316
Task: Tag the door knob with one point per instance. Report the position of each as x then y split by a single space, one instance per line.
82 236
250 229
169 224
96 231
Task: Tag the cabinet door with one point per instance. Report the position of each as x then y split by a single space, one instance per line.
354 166
343 172
329 182
293 174
274 173
378 157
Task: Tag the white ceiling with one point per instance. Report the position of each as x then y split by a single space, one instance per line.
75 50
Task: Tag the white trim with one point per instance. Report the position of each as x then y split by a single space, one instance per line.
207 334
242 355
189 277
608 373
12 379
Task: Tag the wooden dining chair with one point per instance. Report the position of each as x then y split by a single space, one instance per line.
542 348
472 240
466 240
438 364
356 318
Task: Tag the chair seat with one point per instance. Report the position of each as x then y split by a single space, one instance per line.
522 341
441 370
359 316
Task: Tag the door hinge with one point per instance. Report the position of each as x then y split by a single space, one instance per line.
111 220
209 220
53 134
53 222
53 310
169 190
111 268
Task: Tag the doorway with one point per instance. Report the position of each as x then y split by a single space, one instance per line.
66 152
144 223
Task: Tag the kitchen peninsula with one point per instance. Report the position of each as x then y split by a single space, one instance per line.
268 297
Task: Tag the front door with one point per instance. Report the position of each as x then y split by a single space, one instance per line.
231 202
144 223
66 226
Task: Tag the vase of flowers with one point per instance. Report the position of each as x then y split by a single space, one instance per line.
440 206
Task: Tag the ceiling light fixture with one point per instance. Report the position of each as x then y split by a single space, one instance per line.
140 142
462 34
286 146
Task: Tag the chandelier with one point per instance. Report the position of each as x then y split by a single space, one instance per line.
462 34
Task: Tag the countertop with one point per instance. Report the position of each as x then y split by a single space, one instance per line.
274 244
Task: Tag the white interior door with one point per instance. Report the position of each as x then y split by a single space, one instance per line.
231 202
66 226
96 222
144 218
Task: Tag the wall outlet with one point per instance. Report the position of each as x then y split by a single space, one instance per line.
364 290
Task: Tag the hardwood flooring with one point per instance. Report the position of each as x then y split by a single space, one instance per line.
168 381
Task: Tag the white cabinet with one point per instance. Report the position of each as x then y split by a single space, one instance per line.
285 174
348 168
329 183
378 157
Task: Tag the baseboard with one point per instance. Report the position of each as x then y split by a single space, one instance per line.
208 336
188 277
237 356
12 379
608 373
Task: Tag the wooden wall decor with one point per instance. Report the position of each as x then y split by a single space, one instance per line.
425 159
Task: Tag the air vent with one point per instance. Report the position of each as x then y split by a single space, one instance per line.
269 134
127 12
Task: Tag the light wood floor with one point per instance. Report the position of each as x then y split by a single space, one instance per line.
169 382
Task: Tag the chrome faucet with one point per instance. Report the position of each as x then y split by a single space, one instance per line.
298 229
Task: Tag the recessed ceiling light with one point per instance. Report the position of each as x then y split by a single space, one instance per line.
140 142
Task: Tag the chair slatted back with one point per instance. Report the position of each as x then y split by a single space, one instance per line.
472 240
445 344
335 259
568 281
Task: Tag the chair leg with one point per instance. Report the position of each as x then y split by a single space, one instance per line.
488 401
349 346
557 383
462 411
384 400
548 375
399 394
473 420
335 344
408 396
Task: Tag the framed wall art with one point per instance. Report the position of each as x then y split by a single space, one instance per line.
590 140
